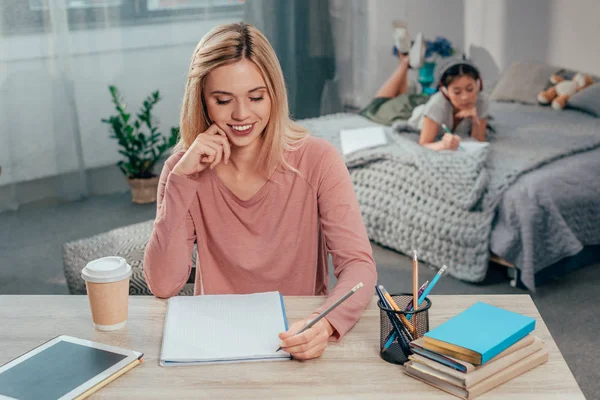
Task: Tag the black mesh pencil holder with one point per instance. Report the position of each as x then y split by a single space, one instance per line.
395 348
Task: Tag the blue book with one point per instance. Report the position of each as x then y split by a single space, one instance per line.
479 333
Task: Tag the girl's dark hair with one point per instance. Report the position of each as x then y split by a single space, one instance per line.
456 71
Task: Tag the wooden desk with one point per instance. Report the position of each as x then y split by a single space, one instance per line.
351 368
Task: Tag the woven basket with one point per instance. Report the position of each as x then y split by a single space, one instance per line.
143 191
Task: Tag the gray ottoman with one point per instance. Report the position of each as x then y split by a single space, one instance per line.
128 242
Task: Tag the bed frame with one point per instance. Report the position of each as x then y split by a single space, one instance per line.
513 272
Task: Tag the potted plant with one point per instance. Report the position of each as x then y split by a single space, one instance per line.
141 144
434 51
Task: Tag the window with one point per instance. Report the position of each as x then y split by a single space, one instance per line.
37 5
154 5
35 16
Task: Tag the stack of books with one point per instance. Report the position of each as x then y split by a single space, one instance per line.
477 350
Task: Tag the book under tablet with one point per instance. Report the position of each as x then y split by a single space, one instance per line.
212 329
64 368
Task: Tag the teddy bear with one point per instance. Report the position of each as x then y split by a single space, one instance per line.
562 89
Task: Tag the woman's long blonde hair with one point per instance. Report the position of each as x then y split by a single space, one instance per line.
226 44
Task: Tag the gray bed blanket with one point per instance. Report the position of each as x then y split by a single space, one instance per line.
549 214
443 203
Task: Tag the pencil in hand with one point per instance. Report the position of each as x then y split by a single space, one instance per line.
327 311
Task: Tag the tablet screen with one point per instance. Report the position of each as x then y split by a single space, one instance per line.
55 371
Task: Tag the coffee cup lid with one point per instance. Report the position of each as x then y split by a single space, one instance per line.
106 270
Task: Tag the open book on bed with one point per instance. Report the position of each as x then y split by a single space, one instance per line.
362 138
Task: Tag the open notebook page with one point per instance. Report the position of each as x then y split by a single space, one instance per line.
223 328
472 145
362 138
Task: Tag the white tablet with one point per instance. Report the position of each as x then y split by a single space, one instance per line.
62 368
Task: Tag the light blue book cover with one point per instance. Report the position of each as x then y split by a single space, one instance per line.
484 329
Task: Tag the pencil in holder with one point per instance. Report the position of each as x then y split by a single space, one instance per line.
395 348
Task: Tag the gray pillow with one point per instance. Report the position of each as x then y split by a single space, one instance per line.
587 100
522 81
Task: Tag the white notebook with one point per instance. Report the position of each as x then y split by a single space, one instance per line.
471 146
212 329
362 138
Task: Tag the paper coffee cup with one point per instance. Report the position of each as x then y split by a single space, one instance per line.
107 283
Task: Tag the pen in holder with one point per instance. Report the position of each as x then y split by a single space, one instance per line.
395 348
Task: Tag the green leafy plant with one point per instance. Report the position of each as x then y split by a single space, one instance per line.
140 142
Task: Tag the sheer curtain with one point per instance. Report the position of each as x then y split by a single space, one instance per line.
351 47
300 32
57 59
39 132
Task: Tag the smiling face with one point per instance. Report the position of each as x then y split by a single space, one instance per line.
462 92
237 100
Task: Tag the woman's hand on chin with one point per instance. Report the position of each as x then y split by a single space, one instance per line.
208 150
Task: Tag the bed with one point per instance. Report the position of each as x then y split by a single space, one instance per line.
532 200
533 225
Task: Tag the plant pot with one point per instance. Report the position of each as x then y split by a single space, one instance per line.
143 191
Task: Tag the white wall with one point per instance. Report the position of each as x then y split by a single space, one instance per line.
32 117
499 32
432 17
558 32
483 42
574 35
363 38
494 33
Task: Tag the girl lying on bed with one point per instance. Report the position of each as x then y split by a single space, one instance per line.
458 107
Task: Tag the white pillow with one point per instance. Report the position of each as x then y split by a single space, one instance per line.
522 81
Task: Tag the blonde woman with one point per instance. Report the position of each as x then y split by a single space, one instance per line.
264 201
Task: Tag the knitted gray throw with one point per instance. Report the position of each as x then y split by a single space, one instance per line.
442 203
